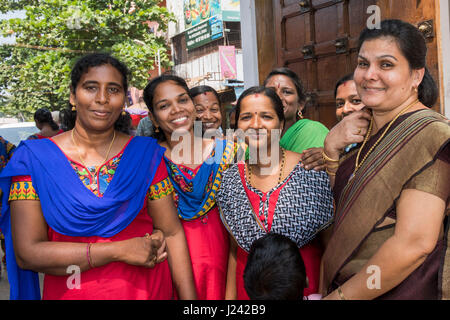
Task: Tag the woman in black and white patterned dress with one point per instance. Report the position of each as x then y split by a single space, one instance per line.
260 196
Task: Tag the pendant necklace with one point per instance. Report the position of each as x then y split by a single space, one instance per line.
93 186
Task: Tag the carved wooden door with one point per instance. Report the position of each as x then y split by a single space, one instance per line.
318 38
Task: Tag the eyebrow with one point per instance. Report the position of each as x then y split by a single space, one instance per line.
96 82
380 57
163 100
282 87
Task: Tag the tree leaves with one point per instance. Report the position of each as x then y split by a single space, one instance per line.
35 71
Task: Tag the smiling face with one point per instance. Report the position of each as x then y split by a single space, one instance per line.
383 77
208 110
347 100
99 98
173 108
285 88
257 112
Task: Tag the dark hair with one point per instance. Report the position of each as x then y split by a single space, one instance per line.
43 115
274 269
295 79
195 91
268 92
413 47
94 60
149 93
341 81
230 112
123 123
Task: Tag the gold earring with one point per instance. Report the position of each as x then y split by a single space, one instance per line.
124 113
156 129
73 108
300 114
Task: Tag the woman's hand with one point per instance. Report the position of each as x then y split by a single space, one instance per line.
351 129
162 252
141 251
312 159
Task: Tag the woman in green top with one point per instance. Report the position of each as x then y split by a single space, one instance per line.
299 134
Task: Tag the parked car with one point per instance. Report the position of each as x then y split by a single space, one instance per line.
15 132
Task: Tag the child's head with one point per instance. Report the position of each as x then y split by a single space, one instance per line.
275 269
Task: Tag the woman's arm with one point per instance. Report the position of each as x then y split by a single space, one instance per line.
165 218
35 252
419 224
231 291
351 129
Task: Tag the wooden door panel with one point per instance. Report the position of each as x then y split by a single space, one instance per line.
318 40
357 16
296 39
325 23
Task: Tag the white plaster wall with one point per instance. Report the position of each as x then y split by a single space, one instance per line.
249 43
176 7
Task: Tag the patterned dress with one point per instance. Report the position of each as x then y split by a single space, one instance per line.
298 207
116 280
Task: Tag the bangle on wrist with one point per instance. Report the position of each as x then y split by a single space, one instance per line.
88 253
327 158
329 172
332 165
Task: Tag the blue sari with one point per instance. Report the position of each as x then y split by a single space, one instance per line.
68 206
197 195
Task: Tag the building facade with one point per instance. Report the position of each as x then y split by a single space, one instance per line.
206 44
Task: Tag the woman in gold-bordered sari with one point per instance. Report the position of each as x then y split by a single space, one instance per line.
390 229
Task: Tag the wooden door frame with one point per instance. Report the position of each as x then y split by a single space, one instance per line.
443 43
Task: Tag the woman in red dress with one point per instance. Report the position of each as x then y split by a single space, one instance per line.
196 176
93 200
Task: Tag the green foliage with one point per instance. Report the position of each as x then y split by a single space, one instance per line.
34 72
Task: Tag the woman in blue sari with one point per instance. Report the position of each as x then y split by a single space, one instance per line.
195 167
89 200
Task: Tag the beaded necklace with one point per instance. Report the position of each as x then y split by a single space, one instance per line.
280 176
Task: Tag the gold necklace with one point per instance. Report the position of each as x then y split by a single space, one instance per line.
369 131
280 175
93 185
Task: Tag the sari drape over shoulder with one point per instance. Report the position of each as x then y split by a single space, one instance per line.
416 142
196 194
207 239
68 206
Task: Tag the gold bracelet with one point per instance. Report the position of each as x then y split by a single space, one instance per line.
329 172
327 158
341 295
332 165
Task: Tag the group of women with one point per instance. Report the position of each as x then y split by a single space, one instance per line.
147 219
